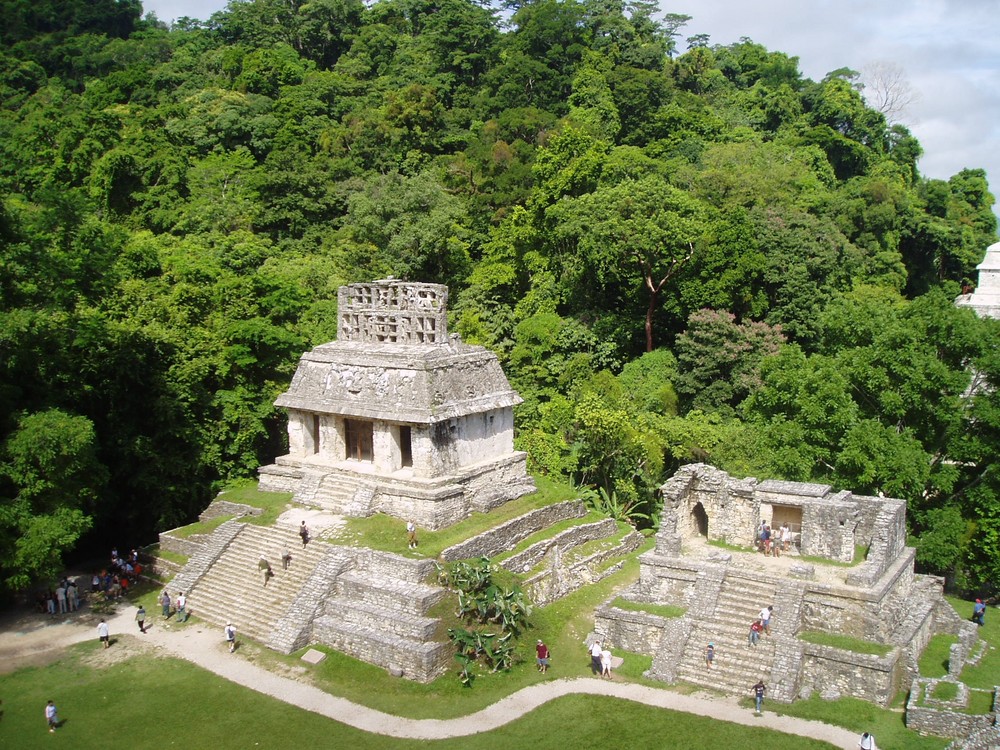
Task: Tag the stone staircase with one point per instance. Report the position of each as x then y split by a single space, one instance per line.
377 612
232 588
737 666
370 605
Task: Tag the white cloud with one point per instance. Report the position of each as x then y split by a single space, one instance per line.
948 49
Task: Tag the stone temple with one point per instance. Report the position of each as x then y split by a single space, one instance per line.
849 572
985 300
398 417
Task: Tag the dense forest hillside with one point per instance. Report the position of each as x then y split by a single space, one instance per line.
680 252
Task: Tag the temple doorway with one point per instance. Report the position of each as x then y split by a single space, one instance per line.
699 519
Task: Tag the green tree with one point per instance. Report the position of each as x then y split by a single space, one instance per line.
52 485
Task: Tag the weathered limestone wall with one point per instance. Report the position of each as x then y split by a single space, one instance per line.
833 672
882 526
871 614
636 632
828 527
507 535
945 718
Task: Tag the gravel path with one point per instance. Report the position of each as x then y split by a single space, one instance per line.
36 640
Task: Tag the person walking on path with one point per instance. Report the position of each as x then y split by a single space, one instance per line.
140 617
181 608
411 535
709 655
51 716
758 695
230 633
165 603
304 534
978 612
595 657
765 619
755 631
542 656
104 634
867 742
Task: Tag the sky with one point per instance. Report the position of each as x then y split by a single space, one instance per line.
948 51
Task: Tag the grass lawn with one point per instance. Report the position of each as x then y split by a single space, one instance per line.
150 703
886 724
985 674
845 642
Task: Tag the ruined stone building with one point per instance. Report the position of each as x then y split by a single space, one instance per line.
398 417
849 573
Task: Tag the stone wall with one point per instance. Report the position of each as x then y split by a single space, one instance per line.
636 632
882 526
828 528
507 535
529 558
834 672
928 715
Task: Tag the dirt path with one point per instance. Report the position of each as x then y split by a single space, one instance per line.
35 639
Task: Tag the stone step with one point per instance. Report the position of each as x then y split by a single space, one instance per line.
422 660
363 615
233 589
388 593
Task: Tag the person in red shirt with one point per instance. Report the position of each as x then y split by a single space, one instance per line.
542 656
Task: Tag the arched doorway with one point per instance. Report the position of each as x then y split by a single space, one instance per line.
699 519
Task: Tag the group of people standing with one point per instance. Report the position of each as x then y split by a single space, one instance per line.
773 542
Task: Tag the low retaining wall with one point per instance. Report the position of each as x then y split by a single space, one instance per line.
945 718
506 535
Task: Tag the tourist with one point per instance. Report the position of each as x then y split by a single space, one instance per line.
606 663
51 717
140 617
165 603
304 534
181 608
765 537
765 619
786 536
73 596
867 742
103 634
542 656
755 630
709 655
95 584
978 612
265 568
230 633
50 603
61 597
411 534
758 694
595 657
286 559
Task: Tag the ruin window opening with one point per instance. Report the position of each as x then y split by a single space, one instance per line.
358 437
699 519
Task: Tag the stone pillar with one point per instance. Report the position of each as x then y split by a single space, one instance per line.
334 440
423 451
385 449
297 433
